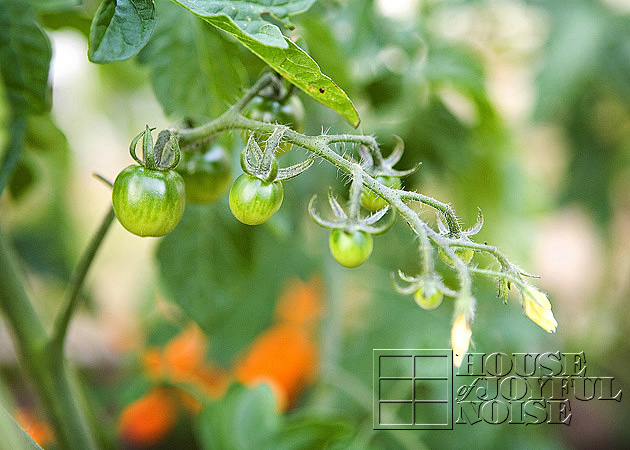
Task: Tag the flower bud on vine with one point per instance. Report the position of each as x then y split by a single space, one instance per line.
460 339
537 307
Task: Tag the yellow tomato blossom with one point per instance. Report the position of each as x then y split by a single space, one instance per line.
538 308
460 338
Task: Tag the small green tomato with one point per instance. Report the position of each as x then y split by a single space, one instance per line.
148 202
371 200
465 254
254 201
288 112
207 175
428 296
350 249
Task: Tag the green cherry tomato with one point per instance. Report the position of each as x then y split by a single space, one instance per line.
371 200
465 254
289 112
350 249
428 297
148 202
206 175
254 201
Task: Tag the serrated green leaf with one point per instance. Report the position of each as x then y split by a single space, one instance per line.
265 40
249 15
120 29
193 69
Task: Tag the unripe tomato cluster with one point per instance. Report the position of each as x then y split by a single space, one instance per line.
151 201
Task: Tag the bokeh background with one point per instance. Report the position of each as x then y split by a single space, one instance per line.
519 108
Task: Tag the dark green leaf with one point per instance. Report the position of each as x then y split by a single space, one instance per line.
43 135
73 18
24 58
264 39
193 69
120 29
227 276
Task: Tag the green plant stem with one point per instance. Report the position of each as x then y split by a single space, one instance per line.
501 275
42 362
355 193
319 145
447 211
63 320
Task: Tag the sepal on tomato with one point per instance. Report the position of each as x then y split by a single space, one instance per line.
427 289
164 155
264 165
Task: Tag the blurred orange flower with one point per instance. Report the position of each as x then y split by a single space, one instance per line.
285 355
37 428
149 419
183 360
301 303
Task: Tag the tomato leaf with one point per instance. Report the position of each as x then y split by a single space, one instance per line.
25 56
245 22
120 28
249 16
24 60
226 276
190 64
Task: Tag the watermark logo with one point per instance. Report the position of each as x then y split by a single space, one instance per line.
414 389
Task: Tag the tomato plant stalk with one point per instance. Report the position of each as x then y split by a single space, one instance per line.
42 354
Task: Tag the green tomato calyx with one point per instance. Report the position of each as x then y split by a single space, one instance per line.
163 155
